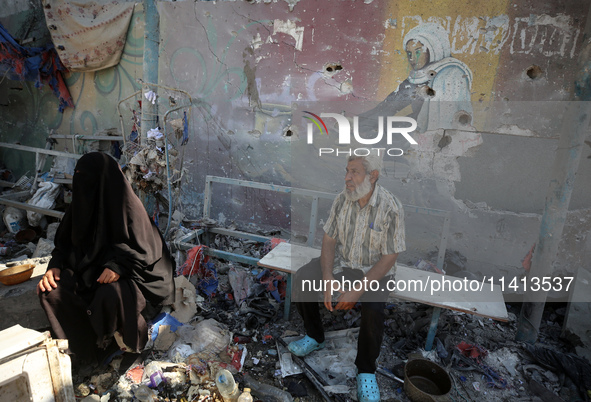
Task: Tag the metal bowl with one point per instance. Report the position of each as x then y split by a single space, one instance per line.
15 275
426 381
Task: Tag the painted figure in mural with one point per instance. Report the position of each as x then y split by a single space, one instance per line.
438 86
110 270
363 236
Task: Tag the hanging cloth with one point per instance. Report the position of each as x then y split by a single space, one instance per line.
39 64
88 35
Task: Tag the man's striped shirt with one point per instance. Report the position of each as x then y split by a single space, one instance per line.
365 234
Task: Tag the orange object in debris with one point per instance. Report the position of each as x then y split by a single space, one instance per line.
135 374
276 241
195 258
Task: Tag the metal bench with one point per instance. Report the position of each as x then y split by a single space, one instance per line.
289 258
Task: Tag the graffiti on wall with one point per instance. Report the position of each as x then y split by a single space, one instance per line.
536 34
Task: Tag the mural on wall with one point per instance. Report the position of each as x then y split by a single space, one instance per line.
438 87
246 64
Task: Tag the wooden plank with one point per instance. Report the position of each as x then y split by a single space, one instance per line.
288 257
17 339
29 207
486 301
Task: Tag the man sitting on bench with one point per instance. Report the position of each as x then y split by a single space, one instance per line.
363 236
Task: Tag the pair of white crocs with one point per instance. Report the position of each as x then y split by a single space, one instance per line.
367 384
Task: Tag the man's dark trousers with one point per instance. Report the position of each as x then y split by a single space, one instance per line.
371 331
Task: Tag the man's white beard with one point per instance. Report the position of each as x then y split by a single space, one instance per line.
360 191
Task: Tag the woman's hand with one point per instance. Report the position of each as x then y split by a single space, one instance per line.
49 280
108 276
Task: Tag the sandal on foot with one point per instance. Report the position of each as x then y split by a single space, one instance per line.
367 388
304 346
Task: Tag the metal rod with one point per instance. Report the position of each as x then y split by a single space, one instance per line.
167 160
388 374
39 150
150 64
566 163
29 207
87 137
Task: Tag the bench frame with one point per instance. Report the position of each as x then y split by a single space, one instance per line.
183 243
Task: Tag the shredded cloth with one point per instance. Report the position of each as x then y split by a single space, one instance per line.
39 64
88 35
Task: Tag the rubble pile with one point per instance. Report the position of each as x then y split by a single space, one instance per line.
146 164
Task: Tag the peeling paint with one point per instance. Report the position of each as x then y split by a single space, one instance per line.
251 85
512 129
391 23
289 27
291 4
346 87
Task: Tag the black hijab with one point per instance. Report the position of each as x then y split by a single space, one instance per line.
106 226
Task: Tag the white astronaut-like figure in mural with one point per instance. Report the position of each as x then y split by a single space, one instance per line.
445 80
438 86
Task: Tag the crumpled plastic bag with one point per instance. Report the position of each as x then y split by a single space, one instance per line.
44 198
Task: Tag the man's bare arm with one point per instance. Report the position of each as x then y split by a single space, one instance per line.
348 299
382 267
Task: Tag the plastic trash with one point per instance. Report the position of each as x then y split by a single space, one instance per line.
164 319
44 198
241 282
245 396
228 388
153 375
207 335
144 394
265 390
14 219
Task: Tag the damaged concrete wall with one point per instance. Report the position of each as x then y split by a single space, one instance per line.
252 66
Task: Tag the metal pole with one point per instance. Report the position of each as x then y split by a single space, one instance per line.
566 163
150 70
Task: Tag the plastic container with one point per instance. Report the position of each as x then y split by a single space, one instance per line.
265 390
228 388
14 219
245 396
153 375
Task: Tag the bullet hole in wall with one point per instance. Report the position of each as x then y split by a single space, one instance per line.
464 119
290 133
534 72
430 91
331 69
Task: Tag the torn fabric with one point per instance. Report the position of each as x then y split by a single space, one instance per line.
88 35
39 64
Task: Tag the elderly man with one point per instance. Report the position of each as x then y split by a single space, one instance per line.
363 236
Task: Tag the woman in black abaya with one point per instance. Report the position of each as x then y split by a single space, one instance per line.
110 269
